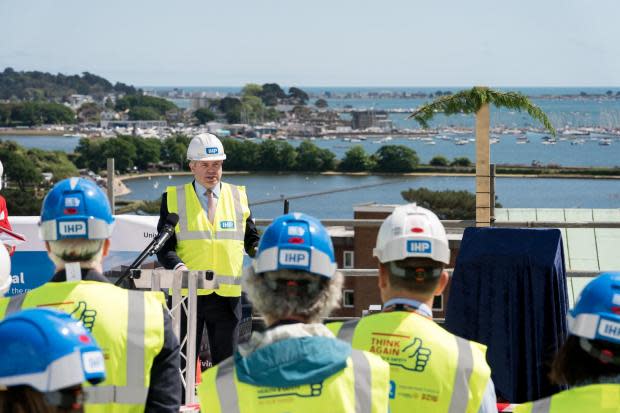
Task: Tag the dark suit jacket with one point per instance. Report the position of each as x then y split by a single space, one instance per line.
168 257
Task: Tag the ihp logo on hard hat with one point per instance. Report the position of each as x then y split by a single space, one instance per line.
419 247
212 151
68 229
298 258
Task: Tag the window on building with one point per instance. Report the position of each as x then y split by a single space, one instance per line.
438 302
348 259
348 298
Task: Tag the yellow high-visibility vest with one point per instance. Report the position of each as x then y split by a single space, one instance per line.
593 398
128 326
430 369
217 247
361 387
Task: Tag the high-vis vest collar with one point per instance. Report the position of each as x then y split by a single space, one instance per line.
361 388
128 325
218 247
450 373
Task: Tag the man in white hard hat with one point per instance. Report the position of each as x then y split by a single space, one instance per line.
215 227
430 369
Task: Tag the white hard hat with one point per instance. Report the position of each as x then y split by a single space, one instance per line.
5 270
412 231
205 147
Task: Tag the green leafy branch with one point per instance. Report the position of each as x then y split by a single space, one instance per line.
470 101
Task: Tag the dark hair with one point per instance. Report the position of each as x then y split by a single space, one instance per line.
573 365
25 399
422 285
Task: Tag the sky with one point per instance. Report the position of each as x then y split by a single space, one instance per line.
318 42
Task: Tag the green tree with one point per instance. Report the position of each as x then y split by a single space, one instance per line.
89 112
231 108
461 161
356 160
252 109
89 154
396 158
251 89
271 94
204 115
298 96
312 158
55 162
174 150
276 156
19 169
158 105
144 113
446 204
321 103
439 161
148 150
123 152
241 155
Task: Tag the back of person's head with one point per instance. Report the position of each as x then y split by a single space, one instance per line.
76 219
591 353
294 271
46 356
5 270
413 247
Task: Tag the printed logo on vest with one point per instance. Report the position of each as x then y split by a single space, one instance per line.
419 247
212 151
294 257
87 316
227 224
72 228
305 391
609 329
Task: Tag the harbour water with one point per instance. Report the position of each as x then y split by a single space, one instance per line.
511 192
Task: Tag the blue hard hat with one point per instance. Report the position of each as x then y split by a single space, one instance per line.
296 242
596 314
48 350
76 208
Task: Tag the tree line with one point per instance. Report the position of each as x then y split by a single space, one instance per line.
42 86
244 155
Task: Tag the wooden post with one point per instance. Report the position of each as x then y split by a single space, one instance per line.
111 183
483 178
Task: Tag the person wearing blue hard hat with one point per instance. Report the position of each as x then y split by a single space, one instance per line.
296 364
135 330
589 360
46 356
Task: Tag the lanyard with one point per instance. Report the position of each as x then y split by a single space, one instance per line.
408 304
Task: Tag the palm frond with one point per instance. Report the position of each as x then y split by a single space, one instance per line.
470 101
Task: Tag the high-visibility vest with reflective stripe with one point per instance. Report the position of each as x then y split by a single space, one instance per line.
128 326
595 398
361 387
217 247
430 369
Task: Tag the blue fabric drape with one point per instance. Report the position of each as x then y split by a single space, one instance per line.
508 291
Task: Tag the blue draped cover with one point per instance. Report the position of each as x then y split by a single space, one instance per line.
508 291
